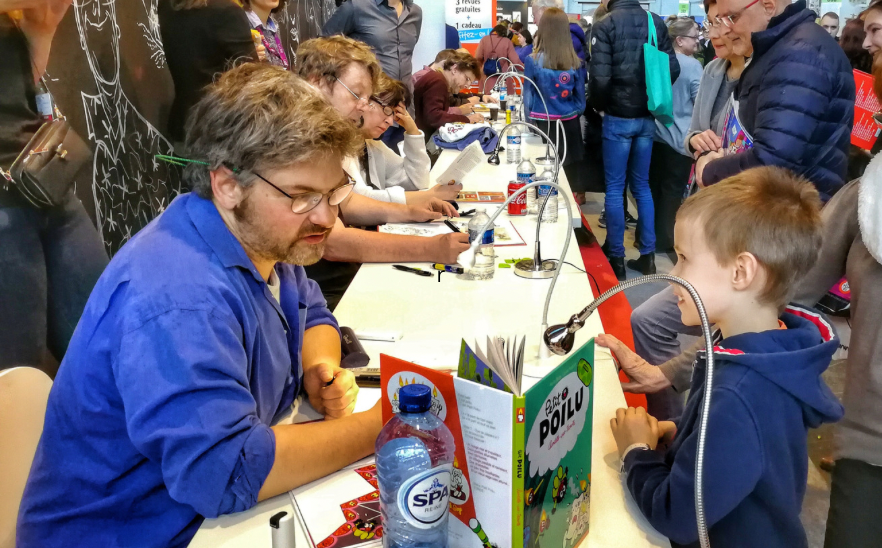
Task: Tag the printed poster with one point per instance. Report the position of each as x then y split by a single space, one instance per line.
474 19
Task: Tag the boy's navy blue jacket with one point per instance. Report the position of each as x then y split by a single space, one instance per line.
767 392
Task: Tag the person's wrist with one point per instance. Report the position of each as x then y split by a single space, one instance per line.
640 446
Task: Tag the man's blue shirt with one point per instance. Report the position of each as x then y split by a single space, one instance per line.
160 414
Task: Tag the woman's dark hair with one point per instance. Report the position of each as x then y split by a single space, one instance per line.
390 92
247 5
528 37
500 30
516 26
708 4
852 42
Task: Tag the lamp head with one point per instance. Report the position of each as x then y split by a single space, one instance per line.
559 339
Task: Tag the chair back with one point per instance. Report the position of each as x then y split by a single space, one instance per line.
24 392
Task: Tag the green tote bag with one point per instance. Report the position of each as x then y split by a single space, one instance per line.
658 78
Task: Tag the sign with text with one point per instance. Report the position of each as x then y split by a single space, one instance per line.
474 19
865 130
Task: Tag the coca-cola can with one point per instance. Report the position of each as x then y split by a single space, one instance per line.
518 206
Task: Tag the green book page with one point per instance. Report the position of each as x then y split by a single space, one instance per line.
557 467
519 463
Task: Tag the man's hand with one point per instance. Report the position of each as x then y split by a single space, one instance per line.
702 163
474 99
333 400
448 246
475 118
430 209
633 425
404 120
706 141
645 378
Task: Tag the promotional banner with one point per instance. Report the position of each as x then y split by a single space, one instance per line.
474 19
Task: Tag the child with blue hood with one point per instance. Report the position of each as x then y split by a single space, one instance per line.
743 244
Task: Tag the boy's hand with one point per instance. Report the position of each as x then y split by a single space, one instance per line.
633 425
666 431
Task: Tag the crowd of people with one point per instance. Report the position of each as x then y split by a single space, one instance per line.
205 327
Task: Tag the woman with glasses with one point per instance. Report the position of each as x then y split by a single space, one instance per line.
656 323
431 95
379 172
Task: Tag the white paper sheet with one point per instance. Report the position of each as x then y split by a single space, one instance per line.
467 160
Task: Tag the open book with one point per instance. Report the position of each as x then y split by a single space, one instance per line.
502 366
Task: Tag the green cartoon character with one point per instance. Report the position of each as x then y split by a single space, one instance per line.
559 487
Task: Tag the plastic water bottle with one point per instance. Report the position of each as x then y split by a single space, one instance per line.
546 175
485 258
414 462
513 145
526 175
550 213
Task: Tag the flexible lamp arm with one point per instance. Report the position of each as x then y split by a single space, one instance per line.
560 338
467 257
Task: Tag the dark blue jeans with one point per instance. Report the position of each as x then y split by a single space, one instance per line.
50 260
627 151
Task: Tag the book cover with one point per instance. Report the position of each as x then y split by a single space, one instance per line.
865 130
465 529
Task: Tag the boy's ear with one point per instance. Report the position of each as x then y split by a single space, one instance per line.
746 271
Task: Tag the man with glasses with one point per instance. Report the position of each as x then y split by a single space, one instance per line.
201 333
345 72
795 99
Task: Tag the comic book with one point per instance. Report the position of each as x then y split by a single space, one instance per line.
530 453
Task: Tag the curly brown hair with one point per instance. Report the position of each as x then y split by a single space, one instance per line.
260 117
463 62
389 91
326 58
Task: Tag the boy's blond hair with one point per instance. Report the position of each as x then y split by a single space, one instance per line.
768 212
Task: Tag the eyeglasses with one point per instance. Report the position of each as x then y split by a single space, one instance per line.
707 24
387 110
732 18
688 36
307 201
357 98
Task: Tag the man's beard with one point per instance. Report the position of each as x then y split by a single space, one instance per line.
264 243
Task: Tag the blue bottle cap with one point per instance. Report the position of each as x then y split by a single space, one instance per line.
414 398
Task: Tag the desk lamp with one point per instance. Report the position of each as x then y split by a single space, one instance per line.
560 338
547 159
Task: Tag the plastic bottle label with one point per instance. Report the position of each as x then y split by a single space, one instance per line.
513 139
488 237
526 178
545 189
424 499
44 105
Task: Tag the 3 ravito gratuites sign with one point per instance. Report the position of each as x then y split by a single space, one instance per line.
474 19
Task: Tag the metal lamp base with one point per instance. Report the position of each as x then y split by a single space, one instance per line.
525 269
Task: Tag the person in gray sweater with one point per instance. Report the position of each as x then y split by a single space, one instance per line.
670 165
656 323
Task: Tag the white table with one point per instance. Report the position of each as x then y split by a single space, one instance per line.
434 317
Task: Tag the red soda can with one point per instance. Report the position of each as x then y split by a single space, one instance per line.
518 206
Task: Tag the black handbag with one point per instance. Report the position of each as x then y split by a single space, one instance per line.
44 171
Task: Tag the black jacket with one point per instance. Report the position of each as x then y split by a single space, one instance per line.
616 76
199 44
796 100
